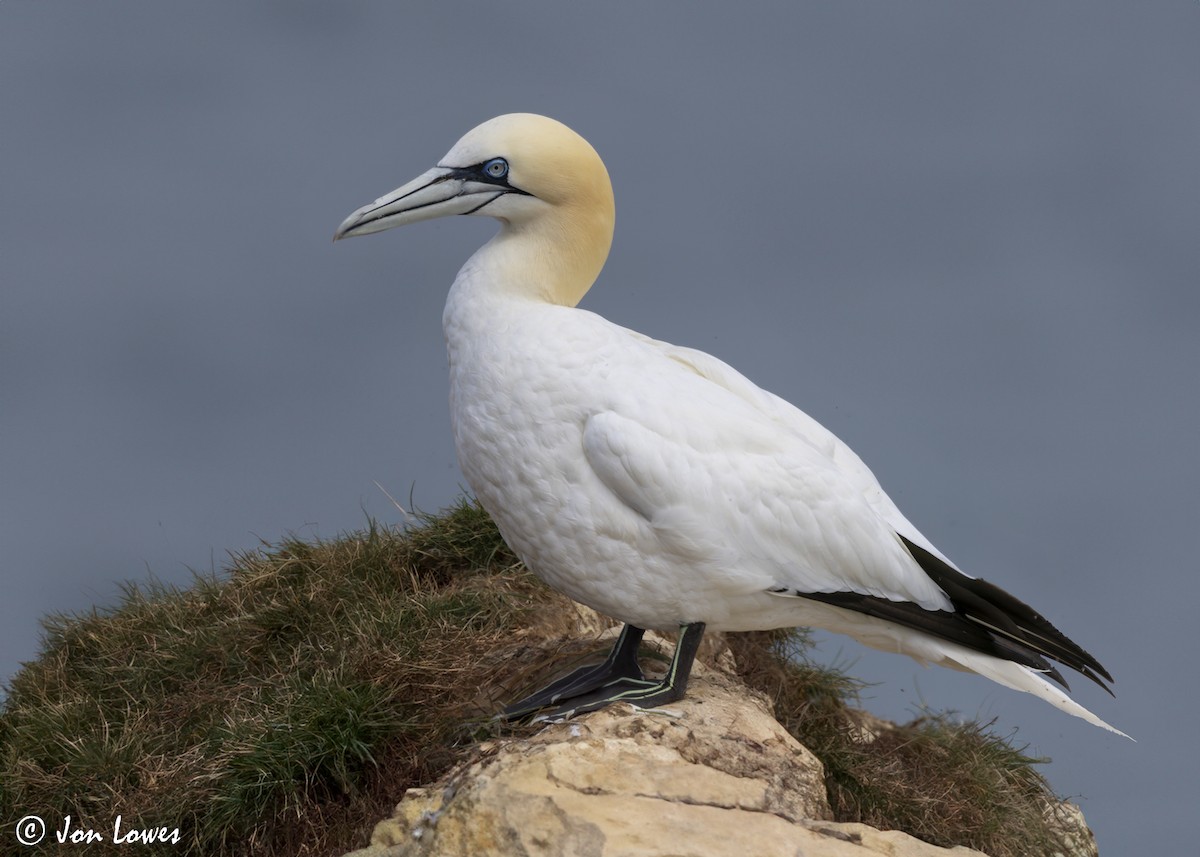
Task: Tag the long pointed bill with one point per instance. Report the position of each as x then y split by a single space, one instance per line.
439 192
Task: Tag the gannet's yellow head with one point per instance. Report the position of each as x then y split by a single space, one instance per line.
543 181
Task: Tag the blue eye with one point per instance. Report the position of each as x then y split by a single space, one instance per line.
497 168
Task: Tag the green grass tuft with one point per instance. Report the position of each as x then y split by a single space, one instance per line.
279 708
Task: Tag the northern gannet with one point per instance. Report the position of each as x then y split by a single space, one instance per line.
655 483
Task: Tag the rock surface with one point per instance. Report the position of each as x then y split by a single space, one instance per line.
715 774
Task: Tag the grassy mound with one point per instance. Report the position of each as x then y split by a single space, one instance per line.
285 706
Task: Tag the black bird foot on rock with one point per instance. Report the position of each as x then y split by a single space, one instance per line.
617 679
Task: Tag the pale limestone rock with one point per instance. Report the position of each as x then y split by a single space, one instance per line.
717 775
713 775
1066 820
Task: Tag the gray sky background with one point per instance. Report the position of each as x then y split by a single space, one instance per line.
962 235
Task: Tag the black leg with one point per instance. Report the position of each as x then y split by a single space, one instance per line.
618 679
621 664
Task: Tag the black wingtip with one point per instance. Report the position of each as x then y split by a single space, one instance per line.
1011 623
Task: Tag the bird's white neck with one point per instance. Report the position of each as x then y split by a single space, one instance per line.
553 258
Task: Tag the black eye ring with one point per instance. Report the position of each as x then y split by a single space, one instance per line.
496 168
